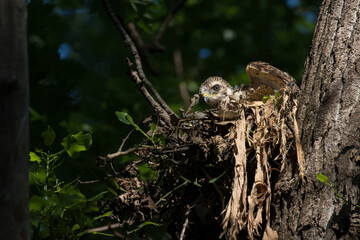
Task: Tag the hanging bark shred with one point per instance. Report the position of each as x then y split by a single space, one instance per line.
262 128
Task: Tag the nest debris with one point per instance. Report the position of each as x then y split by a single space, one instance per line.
191 166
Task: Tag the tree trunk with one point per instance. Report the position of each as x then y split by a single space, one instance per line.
329 118
14 137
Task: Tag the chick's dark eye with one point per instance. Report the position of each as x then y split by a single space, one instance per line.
216 87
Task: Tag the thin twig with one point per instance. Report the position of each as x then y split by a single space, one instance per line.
186 223
108 157
128 41
89 182
95 181
217 188
112 167
117 154
107 228
178 149
193 101
125 139
104 228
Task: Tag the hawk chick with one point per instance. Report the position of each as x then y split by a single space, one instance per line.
216 90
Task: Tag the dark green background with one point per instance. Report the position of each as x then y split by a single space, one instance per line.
78 71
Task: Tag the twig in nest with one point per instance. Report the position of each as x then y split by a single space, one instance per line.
109 227
157 108
186 223
222 197
128 41
194 100
125 139
120 153
89 182
101 161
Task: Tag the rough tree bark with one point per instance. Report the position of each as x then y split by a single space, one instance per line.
329 117
14 128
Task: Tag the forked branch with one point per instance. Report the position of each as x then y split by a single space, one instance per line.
142 77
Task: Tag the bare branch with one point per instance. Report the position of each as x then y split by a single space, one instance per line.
157 108
128 41
120 153
142 48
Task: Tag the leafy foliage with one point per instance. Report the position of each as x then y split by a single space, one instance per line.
58 209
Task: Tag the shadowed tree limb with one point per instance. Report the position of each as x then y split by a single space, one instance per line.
156 106
142 77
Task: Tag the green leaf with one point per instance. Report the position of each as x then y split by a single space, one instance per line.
143 225
49 136
132 3
35 116
153 128
75 227
102 234
265 98
34 158
215 179
98 196
124 117
73 144
36 203
277 95
103 215
196 183
321 177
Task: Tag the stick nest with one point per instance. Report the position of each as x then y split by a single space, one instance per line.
224 170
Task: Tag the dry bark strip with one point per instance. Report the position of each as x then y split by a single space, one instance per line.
235 216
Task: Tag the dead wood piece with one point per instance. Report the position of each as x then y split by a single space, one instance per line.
261 73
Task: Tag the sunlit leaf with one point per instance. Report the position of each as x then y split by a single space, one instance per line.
215 179
321 177
265 98
75 227
103 215
34 157
73 144
277 95
123 117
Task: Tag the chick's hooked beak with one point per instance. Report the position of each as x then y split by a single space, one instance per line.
206 97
